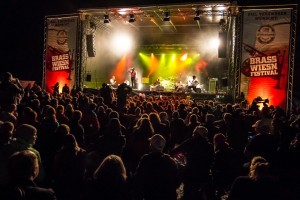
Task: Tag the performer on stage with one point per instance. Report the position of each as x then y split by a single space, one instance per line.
193 84
133 78
157 82
66 89
55 88
113 82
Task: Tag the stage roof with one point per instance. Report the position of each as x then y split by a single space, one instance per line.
150 24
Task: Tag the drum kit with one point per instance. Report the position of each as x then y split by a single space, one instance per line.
185 87
175 85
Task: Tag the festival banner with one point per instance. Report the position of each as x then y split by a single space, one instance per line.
60 51
265 55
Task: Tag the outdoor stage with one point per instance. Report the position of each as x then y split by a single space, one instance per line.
229 46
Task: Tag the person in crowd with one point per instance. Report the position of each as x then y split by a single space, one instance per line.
6 132
178 130
90 123
76 128
198 154
138 142
160 128
46 138
107 94
69 169
157 175
111 142
224 168
23 169
109 181
122 92
262 144
60 115
11 90
193 123
9 114
66 89
55 89
260 184
25 137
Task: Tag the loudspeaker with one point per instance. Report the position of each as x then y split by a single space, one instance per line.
224 82
222 50
90 45
88 77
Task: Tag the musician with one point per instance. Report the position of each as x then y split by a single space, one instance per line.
133 78
193 83
55 88
157 82
113 82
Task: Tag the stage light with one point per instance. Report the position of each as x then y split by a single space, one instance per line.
197 15
131 18
166 16
106 19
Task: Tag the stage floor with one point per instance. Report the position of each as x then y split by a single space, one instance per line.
190 95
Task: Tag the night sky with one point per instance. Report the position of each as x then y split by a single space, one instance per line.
22 31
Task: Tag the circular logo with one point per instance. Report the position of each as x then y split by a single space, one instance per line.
265 34
62 37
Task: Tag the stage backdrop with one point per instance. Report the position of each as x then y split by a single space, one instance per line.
265 54
60 47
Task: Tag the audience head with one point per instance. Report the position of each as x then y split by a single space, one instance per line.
7 76
111 169
70 143
200 131
77 115
157 143
27 133
259 168
63 129
23 165
261 128
6 131
219 140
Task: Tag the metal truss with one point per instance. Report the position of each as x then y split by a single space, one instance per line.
290 102
44 54
236 55
84 23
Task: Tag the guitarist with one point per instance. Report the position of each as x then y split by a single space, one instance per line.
193 83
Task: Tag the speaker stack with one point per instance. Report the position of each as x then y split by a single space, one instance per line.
222 50
90 45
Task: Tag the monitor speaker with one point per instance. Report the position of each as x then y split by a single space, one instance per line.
224 82
88 77
90 45
222 49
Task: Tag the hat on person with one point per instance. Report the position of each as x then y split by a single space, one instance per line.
261 126
157 142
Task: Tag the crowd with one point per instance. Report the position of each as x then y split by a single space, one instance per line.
118 145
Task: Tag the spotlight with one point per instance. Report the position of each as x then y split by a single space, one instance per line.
166 16
131 18
197 15
106 19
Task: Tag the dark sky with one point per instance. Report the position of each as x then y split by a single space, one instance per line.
22 30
